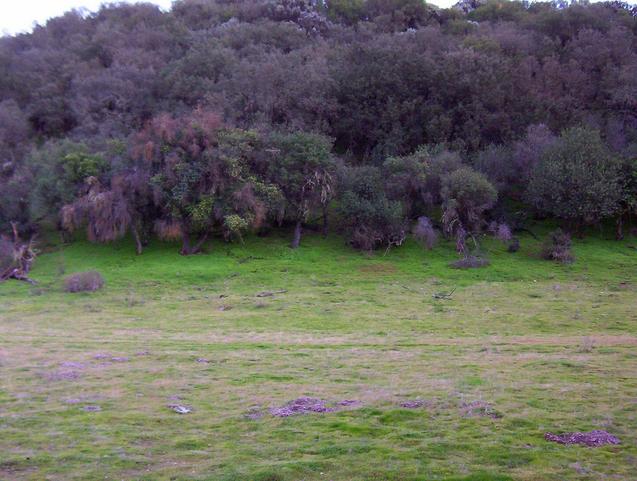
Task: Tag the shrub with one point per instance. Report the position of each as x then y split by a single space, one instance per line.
500 231
558 247
470 262
404 181
466 195
425 233
440 165
89 281
495 162
369 219
577 179
514 245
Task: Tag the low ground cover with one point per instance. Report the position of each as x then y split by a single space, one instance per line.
377 378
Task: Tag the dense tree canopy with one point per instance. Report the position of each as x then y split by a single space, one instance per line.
577 179
225 116
303 170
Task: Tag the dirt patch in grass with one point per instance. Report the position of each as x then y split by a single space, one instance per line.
10 469
592 438
302 405
413 404
306 405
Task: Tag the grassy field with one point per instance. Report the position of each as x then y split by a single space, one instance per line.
545 347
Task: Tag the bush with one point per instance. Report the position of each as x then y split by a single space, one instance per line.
425 233
440 165
466 195
578 179
470 262
558 247
89 281
514 245
370 220
500 231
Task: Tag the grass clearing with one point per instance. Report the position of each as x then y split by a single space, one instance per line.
548 347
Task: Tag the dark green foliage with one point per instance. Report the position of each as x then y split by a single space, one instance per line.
496 163
399 15
301 166
6 254
347 12
440 163
466 195
416 91
15 203
61 170
14 134
405 181
369 218
577 180
628 202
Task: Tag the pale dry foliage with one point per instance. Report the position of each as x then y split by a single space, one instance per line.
105 213
168 229
89 281
425 233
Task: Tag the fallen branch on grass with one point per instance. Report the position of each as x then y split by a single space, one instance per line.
444 295
271 293
16 257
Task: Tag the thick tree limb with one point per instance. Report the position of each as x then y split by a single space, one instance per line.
21 257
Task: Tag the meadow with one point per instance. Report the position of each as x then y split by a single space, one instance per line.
520 348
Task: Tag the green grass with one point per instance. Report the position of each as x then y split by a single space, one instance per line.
550 347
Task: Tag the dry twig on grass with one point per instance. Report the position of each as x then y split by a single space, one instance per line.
444 295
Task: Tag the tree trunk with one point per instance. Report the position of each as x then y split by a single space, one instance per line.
185 243
619 231
200 243
187 249
296 240
139 248
325 220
